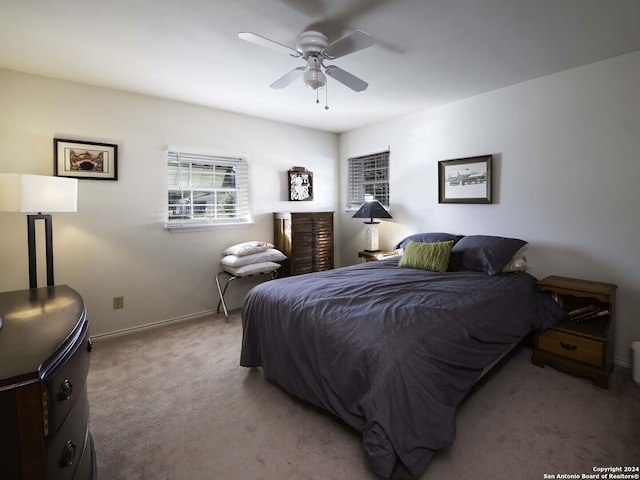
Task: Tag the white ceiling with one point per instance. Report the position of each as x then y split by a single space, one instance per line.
427 52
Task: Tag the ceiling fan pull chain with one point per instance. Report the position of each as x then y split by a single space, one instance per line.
326 96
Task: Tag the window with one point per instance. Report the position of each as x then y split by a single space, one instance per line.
206 190
368 175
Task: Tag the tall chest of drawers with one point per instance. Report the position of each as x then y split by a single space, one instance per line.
44 409
306 238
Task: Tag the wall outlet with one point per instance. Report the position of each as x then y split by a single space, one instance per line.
118 302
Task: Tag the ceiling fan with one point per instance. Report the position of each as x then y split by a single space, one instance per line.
314 48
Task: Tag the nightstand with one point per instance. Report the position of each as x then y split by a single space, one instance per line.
372 256
582 347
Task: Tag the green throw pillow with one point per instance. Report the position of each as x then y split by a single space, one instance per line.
433 257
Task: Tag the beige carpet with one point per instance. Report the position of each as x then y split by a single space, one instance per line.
172 403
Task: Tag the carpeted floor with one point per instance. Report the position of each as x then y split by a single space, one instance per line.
173 403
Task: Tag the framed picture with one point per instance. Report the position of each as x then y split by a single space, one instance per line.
91 160
465 180
300 185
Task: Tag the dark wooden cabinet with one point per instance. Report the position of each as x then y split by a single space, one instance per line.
584 347
306 238
44 409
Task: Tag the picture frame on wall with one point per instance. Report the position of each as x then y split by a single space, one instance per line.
300 185
85 160
465 180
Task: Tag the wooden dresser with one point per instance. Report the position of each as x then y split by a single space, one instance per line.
44 409
306 238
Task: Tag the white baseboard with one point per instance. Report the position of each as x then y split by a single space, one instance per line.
149 326
621 362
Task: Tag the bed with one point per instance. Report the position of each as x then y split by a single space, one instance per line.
390 349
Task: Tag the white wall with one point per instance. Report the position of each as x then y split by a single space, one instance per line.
566 176
116 244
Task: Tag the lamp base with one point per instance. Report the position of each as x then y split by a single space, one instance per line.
31 245
371 236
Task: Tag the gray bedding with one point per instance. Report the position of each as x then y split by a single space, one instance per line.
391 351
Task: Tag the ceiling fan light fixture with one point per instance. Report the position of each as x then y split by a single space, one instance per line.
314 48
314 78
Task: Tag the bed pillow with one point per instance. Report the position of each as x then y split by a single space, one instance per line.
518 263
269 255
252 269
247 248
485 253
433 256
430 237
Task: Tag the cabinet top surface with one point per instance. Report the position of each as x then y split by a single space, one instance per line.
577 284
289 214
35 324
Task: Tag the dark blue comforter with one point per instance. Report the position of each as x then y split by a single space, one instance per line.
391 351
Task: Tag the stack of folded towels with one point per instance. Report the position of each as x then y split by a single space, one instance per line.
250 258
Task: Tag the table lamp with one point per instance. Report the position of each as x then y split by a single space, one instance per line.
371 209
38 193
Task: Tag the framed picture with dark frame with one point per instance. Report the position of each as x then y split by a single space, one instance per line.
85 160
465 180
300 185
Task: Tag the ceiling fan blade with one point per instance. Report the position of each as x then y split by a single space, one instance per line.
353 42
351 81
265 42
288 78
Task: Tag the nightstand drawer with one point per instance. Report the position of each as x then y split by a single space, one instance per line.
573 347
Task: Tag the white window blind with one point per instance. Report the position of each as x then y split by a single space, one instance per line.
206 190
368 175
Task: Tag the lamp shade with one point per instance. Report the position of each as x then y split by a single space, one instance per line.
21 192
372 209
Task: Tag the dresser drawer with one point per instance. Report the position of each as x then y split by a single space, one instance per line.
87 470
573 347
68 383
66 449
